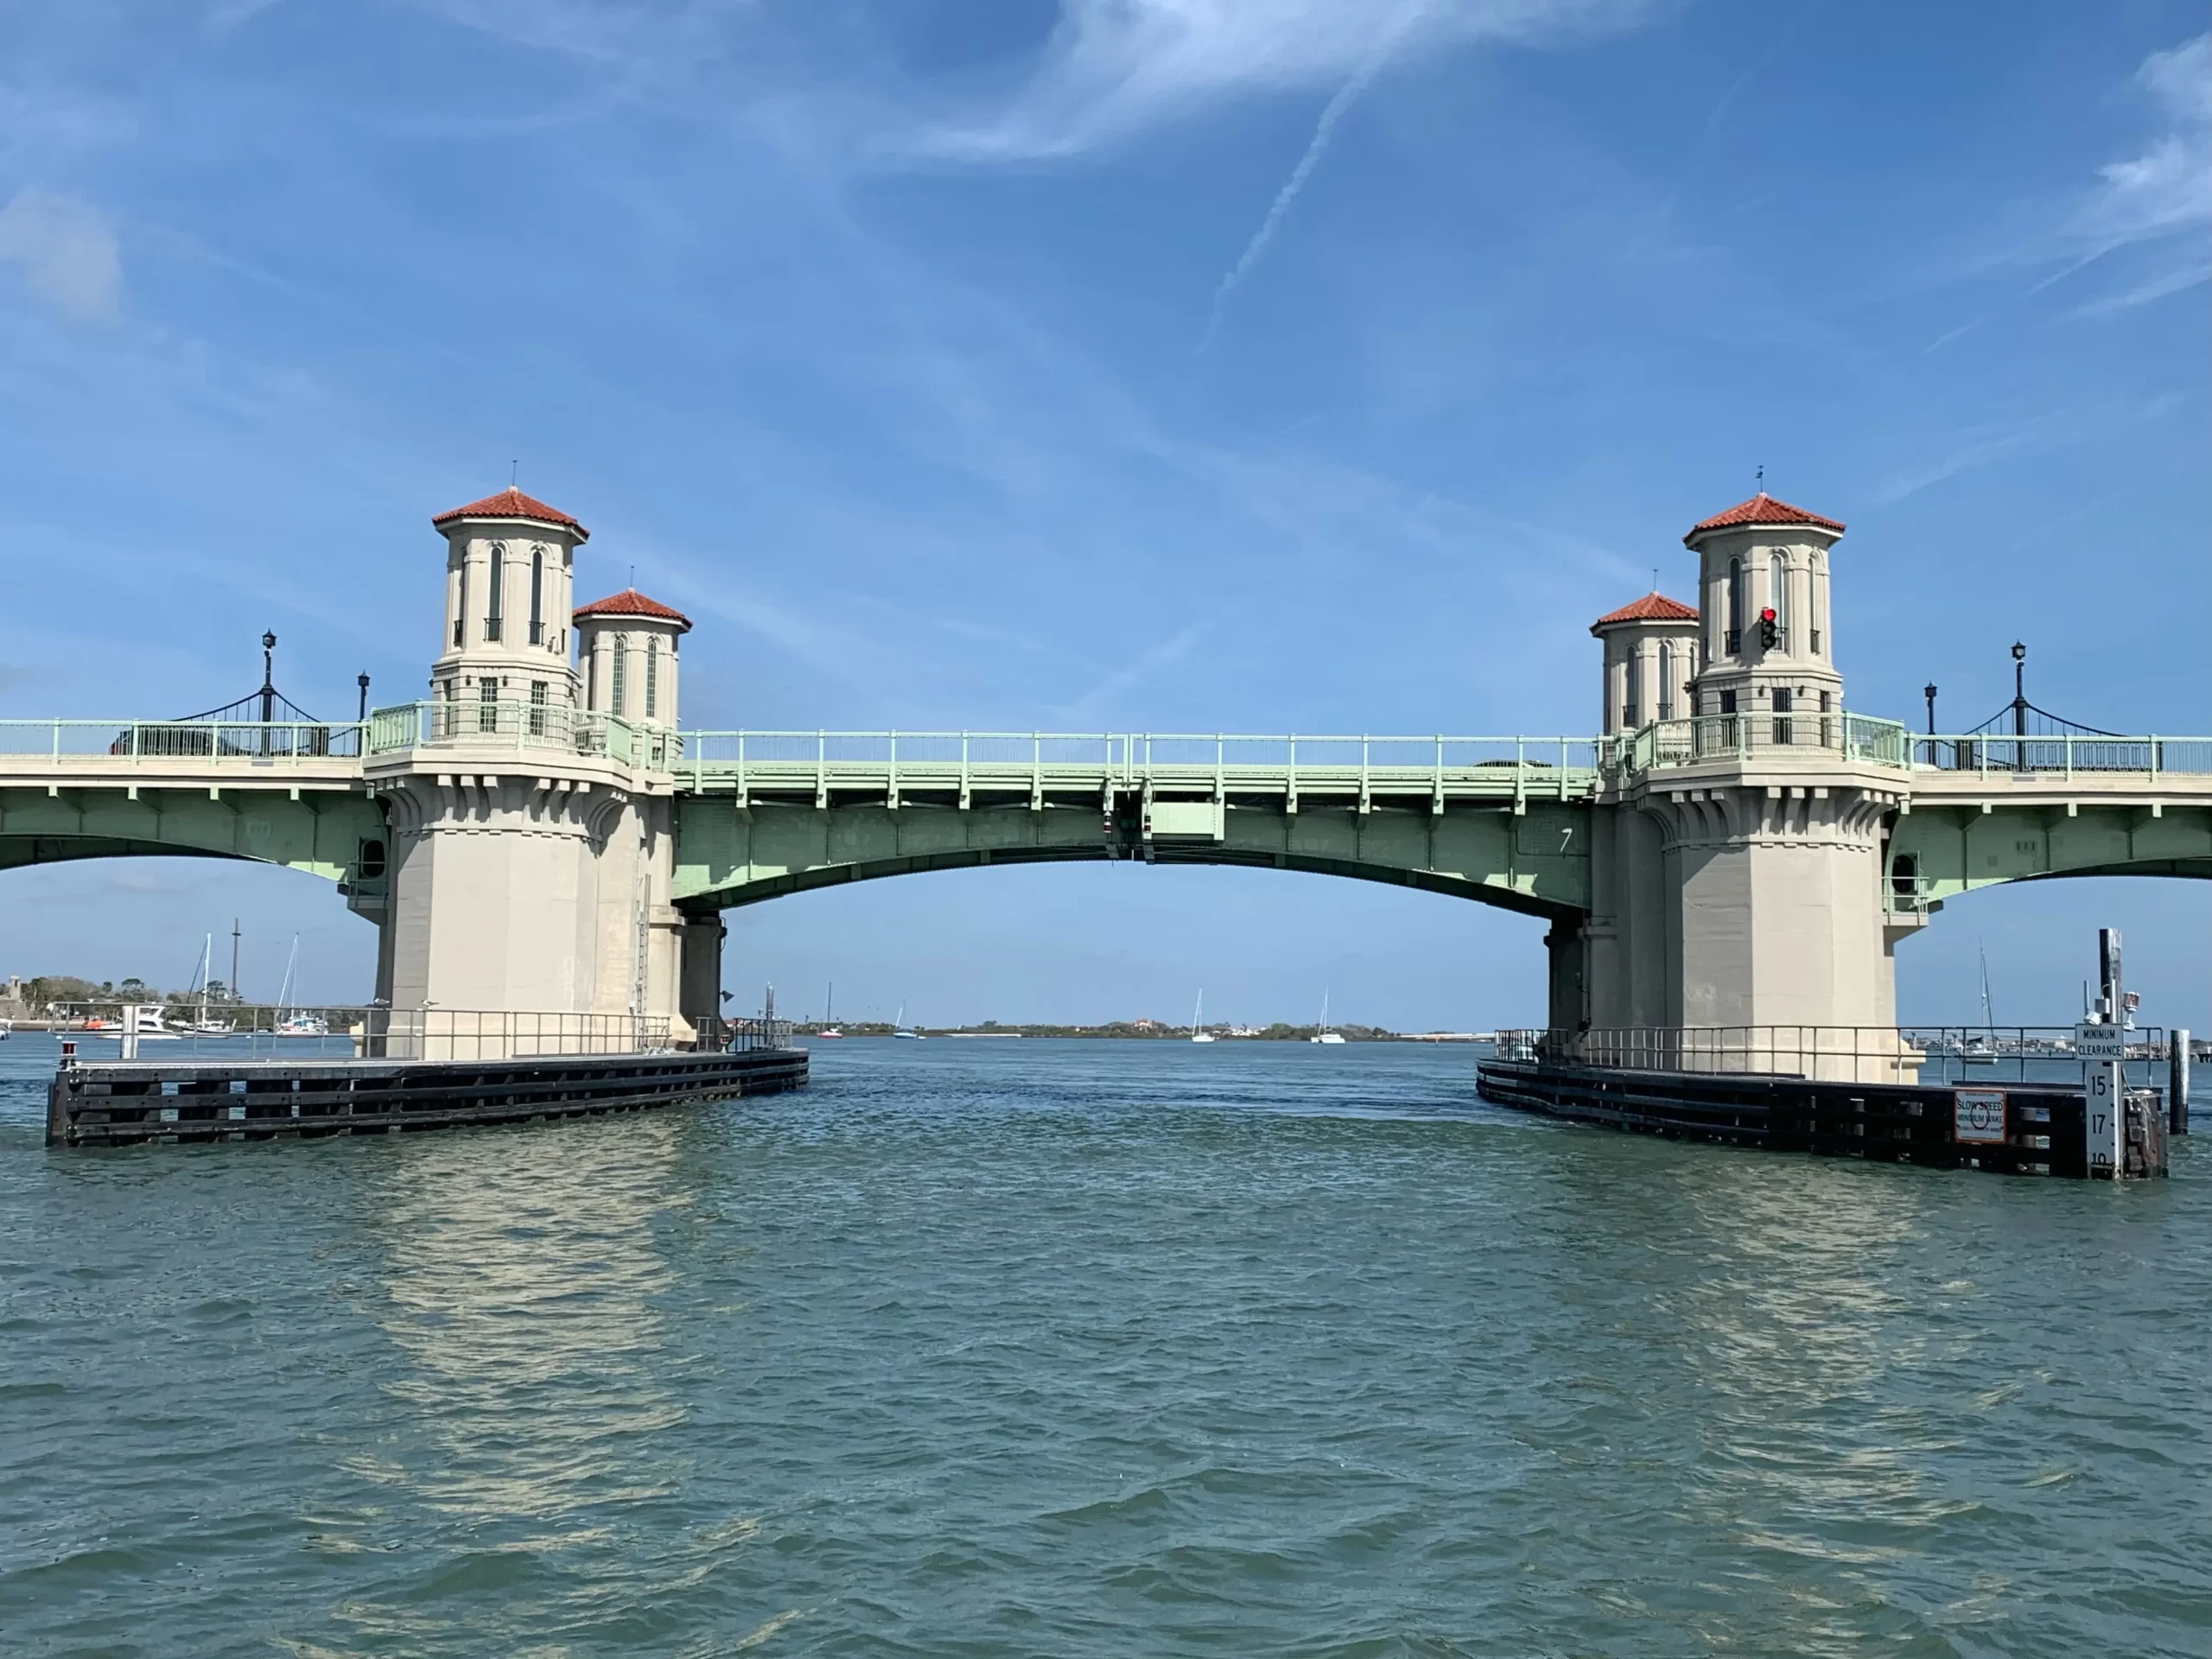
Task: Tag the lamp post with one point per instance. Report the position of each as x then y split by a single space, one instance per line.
362 715
2020 692
1929 692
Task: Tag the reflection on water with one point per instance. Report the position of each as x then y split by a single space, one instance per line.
522 1287
1091 1348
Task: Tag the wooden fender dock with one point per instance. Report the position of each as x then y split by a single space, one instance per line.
130 1102
2011 1127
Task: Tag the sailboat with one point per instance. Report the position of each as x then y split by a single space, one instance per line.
206 1025
1982 1051
899 1027
828 1007
1324 1035
291 1022
1198 1032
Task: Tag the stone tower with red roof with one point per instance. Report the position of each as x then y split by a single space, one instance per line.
532 838
1651 656
625 651
509 567
1736 843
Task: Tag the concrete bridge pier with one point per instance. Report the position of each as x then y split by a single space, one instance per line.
699 973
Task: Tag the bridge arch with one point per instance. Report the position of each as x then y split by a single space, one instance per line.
1535 861
338 836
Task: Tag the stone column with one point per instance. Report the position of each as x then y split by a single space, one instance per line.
699 997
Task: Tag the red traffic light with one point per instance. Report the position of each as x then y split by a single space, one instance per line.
1767 615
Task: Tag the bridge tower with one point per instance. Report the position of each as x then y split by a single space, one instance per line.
1743 886
532 845
627 648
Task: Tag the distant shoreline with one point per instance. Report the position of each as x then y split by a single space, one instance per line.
1134 1031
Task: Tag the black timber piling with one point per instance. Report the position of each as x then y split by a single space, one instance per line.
129 1103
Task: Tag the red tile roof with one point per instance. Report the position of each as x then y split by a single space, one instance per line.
630 602
1652 607
1761 509
512 503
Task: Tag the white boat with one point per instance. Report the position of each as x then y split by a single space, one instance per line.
1325 1035
7 1029
1198 1032
1981 1051
150 1028
291 1022
899 1027
206 1025
829 1031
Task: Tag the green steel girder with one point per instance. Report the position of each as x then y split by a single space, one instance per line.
1956 848
320 831
1535 861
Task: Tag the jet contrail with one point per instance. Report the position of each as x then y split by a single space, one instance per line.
1319 142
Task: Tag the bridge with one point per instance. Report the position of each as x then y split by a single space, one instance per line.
1734 847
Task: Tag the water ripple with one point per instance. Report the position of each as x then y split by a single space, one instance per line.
1019 1348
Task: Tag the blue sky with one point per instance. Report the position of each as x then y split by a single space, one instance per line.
1172 365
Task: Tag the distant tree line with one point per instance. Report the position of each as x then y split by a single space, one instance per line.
1138 1029
50 990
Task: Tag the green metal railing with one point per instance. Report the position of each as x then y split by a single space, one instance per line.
1774 737
467 722
222 741
1564 768
2062 756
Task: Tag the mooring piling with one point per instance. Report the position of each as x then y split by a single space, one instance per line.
2178 1081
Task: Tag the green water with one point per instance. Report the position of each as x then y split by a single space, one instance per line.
1091 1348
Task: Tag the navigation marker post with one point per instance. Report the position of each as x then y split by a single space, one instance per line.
2101 1042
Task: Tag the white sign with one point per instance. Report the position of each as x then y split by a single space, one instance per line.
2100 1113
1978 1114
2099 1042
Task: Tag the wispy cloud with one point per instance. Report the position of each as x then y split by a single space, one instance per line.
1114 68
1991 444
64 250
1147 663
2164 192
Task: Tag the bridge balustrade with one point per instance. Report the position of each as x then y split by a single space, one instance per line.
1566 767
2063 755
167 740
509 724
1664 743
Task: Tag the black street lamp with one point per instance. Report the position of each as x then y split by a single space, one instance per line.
363 712
1929 692
2020 692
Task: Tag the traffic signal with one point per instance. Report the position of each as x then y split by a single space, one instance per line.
1769 632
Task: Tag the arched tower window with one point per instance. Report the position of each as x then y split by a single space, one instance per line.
1736 606
537 595
460 599
493 615
618 682
652 676
1666 679
1778 595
